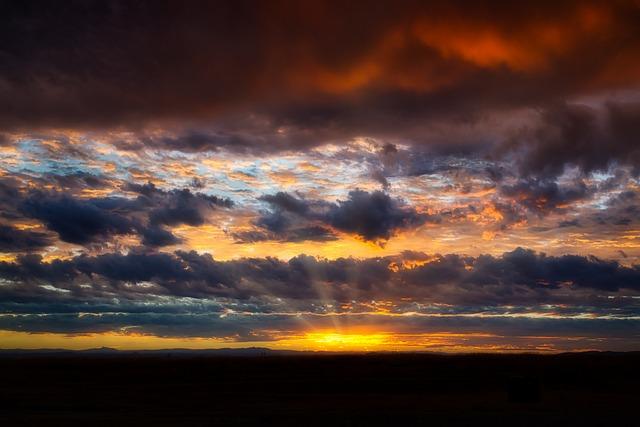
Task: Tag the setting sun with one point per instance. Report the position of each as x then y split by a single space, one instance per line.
346 341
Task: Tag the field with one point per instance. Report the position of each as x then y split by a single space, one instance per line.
264 388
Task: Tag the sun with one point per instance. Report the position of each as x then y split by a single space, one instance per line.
346 341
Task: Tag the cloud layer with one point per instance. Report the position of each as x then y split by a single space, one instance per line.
251 171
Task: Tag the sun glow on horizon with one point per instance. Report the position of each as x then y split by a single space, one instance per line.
331 340
346 341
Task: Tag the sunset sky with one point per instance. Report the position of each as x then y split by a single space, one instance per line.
319 175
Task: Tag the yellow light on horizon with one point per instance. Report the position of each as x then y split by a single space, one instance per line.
345 341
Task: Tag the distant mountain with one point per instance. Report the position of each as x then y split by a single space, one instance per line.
250 352
108 351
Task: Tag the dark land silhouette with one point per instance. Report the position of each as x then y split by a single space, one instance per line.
263 387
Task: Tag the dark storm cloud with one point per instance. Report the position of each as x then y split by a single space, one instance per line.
504 279
177 205
15 240
185 293
173 207
373 216
584 137
84 221
9 193
526 267
289 219
161 324
622 210
287 202
77 181
157 236
30 267
544 196
12 189
309 233
79 221
251 328
134 267
569 223
184 207
291 75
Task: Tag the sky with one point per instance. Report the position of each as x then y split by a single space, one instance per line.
320 175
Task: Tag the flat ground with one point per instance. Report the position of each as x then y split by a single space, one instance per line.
388 389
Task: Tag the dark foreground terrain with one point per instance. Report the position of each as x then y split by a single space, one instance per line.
262 388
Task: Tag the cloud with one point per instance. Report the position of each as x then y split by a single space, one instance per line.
157 236
185 291
15 240
526 267
77 180
309 233
515 127
373 216
286 202
569 223
575 135
183 207
79 221
544 196
511 276
622 209
277 81
87 220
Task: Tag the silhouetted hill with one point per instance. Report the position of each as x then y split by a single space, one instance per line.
107 351
223 387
